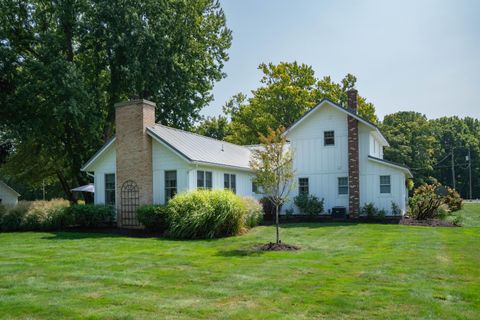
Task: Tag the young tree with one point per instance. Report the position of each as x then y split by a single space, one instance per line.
272 164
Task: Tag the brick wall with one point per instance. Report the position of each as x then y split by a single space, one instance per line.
134 156
353 158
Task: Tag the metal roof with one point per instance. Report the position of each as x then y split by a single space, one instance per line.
200 149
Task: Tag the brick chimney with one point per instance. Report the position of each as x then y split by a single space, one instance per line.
353 157
134 158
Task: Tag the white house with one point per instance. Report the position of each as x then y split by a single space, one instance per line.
8 196
338 156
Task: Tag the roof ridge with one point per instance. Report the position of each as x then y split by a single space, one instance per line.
200 135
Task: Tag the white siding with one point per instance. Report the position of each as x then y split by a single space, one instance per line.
243 179
323 165
164 160
8 196
105 164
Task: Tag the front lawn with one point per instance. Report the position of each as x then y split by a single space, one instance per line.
343 271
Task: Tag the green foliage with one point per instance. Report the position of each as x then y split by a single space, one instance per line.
425 202
369 210
64 65
92 216
396 210
272 165
13 219
453 200
254 212
288 90
409 184
214 127
153 217
45 215
309 204
206 214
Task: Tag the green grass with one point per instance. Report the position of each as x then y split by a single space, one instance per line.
343 271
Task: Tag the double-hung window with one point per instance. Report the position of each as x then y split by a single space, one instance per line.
303 186
385 184
170 184
343 185
329 138
204 179
230 182
110 189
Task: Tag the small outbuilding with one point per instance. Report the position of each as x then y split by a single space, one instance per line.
7 194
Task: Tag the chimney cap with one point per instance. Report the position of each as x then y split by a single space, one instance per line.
134 101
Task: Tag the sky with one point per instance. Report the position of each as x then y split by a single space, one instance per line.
407 55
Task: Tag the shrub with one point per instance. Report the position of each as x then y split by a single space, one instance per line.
396 210
309 204
254 212
153 217
13 219
91 215
425 202
453 200
369 210
206 214
269 207
39 213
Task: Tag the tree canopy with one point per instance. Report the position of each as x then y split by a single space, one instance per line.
63 65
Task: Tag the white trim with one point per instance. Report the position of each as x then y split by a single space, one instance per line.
152 134
326 101
98 154
10 188
409 174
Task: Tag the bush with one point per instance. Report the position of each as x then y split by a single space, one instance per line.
369 210
269 207
13 219
425 202
153 217
39 213
91 215
254 212
396 211
453 200
206 214
309 204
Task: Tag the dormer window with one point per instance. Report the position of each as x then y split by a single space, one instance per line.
329 138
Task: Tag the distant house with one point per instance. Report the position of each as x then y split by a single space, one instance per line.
8 195
338 156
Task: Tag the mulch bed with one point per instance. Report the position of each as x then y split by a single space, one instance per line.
278 247
427 223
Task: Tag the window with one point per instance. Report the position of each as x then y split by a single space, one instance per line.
329 138
204 179
254 187
229 182
385 186
170 184
110 189
303 186
343 185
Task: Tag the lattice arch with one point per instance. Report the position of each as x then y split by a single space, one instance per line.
129 203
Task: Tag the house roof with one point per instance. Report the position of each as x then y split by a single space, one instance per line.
9 188
392 164
345 110
200 149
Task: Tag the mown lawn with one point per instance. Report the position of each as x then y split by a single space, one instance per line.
343 271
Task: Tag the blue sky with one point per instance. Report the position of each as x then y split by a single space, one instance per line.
407 55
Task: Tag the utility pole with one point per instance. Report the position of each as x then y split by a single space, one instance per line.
470 171
453 171
43 188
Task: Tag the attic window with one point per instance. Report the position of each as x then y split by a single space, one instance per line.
329 138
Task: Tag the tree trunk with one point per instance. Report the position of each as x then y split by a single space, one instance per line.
66 187
277 223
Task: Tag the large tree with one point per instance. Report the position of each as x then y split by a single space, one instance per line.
63 65
287 91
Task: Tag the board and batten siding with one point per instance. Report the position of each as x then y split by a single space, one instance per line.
165 159
323 165
243 179
105 164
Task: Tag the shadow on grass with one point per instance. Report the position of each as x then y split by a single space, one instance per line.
311 225
74 234
253 251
